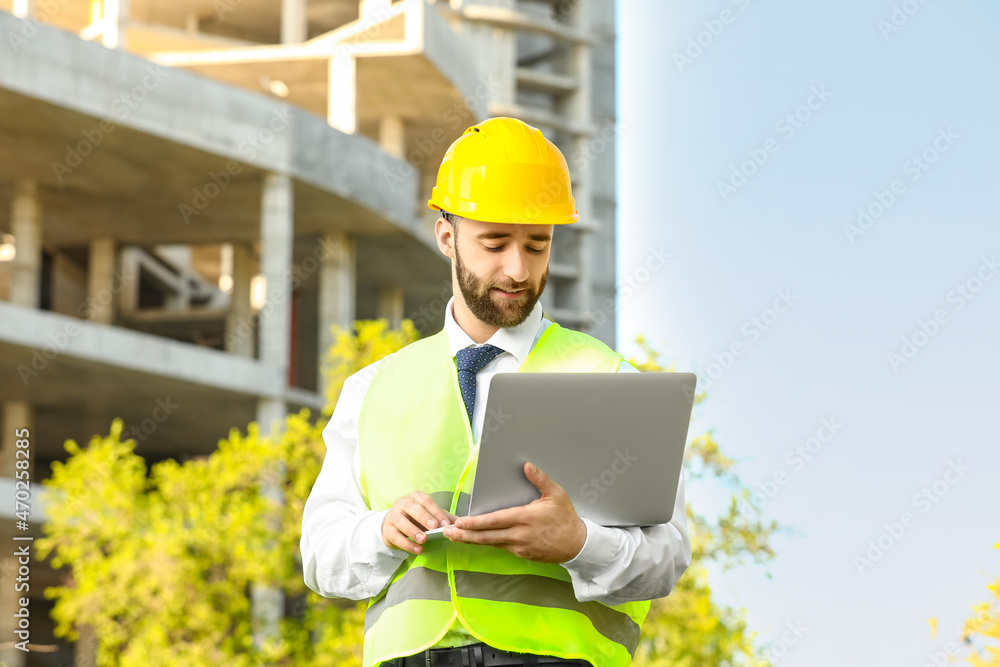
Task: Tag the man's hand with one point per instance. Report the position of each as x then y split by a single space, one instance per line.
408 517
547 530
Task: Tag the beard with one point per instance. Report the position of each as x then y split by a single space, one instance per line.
479 297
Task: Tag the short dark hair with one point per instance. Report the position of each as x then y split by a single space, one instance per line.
453 220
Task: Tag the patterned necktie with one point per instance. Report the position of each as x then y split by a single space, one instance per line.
471 360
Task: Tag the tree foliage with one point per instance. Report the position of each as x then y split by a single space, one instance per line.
984 626
689 628
161 560
981 631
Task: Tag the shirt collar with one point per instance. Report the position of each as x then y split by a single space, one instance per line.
516 340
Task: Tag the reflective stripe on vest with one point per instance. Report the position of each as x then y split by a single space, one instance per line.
414 434
423 583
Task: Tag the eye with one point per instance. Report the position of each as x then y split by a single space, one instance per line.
533 251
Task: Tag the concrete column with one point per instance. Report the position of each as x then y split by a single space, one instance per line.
24 9
276 231
390 304
578 108
336 293
267 602
391 136
239 334
274 322
85 648
115 23
128 261
26 226
341 108
294 24
100 281
494 50
16 415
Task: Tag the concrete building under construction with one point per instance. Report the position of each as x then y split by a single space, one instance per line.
192 192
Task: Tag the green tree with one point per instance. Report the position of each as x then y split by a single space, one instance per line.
161 560
371 340
689 628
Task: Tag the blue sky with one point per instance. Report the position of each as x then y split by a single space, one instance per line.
747 157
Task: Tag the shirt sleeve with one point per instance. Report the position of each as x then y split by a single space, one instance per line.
343 555
623 564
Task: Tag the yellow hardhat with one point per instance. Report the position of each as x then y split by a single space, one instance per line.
504 170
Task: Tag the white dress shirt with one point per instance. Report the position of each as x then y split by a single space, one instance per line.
343 554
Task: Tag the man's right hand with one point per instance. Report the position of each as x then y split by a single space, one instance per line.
408 517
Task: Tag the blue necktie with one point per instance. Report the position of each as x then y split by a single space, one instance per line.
471 360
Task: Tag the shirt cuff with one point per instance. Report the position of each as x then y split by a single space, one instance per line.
600 549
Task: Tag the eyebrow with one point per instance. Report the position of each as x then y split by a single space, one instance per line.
504 235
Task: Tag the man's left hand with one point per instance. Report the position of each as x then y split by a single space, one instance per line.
547 530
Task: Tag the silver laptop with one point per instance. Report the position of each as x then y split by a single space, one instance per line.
614 441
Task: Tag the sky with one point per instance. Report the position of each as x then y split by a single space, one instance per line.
824 178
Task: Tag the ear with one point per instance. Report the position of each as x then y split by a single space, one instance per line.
445 237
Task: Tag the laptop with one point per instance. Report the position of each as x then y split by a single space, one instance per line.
614 441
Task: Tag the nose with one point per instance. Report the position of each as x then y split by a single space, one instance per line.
515 264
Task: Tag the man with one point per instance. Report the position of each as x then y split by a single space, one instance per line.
529 585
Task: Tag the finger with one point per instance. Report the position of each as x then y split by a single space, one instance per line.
399 540
404 524
419 513
434 514
505 518
437 516
440 515
541 481
489 537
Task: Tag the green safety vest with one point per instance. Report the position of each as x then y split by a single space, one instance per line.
414 435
